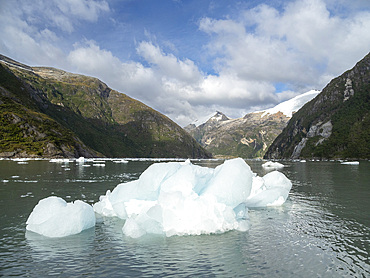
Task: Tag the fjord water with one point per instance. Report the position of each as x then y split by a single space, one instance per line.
323 230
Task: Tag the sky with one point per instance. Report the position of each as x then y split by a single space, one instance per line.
189 58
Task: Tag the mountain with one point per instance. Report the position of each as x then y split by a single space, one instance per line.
247 137
200 129
47 112
335 124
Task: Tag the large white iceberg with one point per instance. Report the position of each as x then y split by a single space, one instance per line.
179 198
54 217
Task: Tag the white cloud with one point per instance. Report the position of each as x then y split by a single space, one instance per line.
83 9
303 45
168 65
21 41
170 85
23 32
62 14
298 45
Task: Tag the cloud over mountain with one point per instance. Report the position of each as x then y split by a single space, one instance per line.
233 58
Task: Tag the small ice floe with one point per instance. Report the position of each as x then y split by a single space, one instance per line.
303 160
350 163
120 161
272 165
54 217
59 160
29 194
99 164
80 160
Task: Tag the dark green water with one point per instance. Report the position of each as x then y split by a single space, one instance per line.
323 230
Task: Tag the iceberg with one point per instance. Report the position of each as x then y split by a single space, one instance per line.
273 165
179 198
120 161
81 160
350 163
271 190
54 217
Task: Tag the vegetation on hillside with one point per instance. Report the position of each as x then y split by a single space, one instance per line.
26 131
106 121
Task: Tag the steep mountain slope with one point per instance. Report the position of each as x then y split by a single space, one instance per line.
335 124
27 132
247 137
105 120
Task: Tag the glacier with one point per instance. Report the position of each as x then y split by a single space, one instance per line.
168 199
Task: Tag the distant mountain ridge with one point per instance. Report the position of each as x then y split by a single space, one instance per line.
54 113
335 124
247 137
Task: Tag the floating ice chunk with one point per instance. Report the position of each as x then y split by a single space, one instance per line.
120 161
273 191
231 182
21 159
272 165
59 160
54 217
350 163
80 160
179 198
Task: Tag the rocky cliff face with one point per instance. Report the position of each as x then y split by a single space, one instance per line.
335 124
94 119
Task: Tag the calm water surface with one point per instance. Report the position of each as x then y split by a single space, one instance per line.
323 230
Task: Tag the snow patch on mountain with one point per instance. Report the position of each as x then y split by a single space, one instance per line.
291 105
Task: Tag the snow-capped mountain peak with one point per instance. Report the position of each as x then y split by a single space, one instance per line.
214 117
